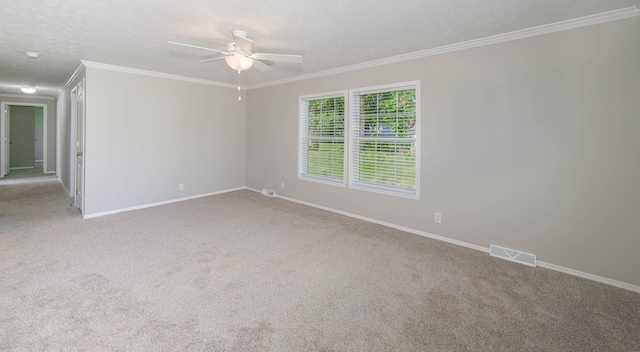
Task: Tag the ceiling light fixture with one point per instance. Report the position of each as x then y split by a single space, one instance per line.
32 54
239 62
28 89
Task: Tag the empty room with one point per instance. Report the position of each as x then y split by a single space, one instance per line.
320 176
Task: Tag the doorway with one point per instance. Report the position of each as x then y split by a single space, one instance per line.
23 140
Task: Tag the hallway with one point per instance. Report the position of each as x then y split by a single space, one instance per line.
27 175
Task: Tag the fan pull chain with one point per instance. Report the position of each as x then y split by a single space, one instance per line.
239 94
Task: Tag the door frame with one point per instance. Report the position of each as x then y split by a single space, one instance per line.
72 144
4 132
76 92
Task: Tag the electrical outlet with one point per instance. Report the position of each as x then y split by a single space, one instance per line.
282 185
437 217
180 186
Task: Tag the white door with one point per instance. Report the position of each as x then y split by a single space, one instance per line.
79 147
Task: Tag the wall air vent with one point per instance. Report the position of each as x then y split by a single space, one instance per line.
513 255
268 192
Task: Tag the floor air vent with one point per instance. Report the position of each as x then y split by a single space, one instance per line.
513 255
268 192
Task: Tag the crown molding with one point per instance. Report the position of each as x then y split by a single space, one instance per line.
137 71
71 78
579 22
34 97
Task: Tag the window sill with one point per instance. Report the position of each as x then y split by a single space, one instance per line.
323 181
385 191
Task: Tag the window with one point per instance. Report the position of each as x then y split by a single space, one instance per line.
380 137
322 138
383 146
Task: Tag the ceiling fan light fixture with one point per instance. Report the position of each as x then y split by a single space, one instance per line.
28 90
239 62
32 54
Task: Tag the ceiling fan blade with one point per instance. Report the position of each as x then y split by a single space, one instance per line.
213 59
199 47
261 66
277 57
244 45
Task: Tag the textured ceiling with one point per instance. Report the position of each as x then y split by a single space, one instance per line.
329 33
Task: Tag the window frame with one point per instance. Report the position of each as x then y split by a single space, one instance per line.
303 138
348 177
354 95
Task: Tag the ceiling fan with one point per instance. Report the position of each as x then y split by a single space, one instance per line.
240 56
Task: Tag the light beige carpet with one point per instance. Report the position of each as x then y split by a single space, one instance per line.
30 175
245 272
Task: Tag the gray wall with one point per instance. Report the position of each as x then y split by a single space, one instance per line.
51 124
145 135
530 144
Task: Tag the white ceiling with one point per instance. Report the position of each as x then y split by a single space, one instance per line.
328 33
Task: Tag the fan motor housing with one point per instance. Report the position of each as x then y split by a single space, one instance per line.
239 33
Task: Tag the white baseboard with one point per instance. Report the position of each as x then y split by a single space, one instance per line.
387 224
29 180
592 277
121 210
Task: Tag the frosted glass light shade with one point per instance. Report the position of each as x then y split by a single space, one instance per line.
239 62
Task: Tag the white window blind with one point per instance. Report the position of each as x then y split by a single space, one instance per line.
383 150
322 137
